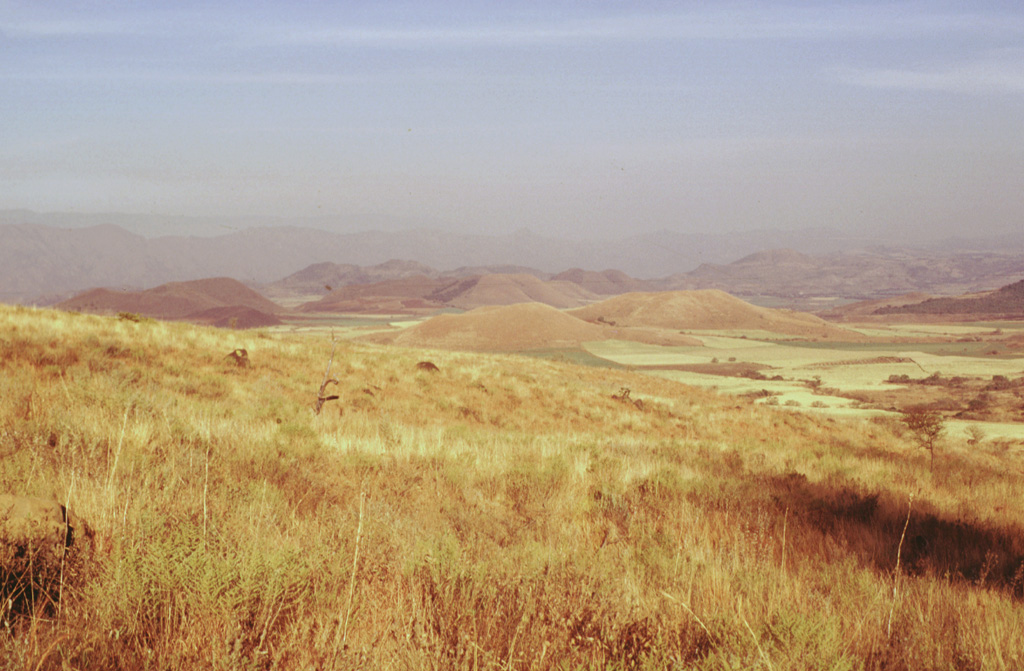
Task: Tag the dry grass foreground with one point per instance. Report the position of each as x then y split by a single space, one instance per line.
503 512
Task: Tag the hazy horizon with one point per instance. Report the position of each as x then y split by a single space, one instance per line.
566 119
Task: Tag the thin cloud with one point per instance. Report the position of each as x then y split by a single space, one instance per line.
163 77
47 29
742 23
981 77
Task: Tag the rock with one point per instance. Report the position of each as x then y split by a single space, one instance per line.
36 536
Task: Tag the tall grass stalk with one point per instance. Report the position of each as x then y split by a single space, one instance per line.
206 488
117 454
355 566
896 571
757 643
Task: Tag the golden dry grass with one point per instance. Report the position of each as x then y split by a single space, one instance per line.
503 512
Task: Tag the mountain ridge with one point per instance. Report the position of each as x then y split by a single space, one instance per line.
42 263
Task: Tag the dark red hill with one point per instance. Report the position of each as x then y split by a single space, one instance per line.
1007 301
175 300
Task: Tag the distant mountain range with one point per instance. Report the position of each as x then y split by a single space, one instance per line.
228 303
46 258
855 274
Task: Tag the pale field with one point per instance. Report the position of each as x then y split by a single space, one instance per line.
343 326
835 366
841 368
918 330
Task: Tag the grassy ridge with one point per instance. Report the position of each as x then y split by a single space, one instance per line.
504 512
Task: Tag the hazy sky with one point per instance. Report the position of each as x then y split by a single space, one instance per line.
562 117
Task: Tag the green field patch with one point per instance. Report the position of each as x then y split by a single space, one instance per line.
742 334
794 393
974 348
630 353
728 342
922 330
738 369
965 366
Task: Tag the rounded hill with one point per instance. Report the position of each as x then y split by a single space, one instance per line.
519 327
174 300
706 309
496 289
501 328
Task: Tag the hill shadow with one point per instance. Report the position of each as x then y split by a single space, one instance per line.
870 524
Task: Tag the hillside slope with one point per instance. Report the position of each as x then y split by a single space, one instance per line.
519 327
486 509
606 282
421 293
1006 301
174 300
708 309
519 288
501 328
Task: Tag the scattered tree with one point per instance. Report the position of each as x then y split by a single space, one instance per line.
927 427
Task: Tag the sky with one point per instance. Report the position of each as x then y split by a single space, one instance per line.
574 119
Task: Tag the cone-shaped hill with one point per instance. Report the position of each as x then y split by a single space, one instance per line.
707 309
174 300
502 328
512 289
604 283
514 328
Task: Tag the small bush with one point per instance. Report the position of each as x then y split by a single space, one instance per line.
999 383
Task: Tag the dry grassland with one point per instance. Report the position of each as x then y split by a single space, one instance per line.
503 512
